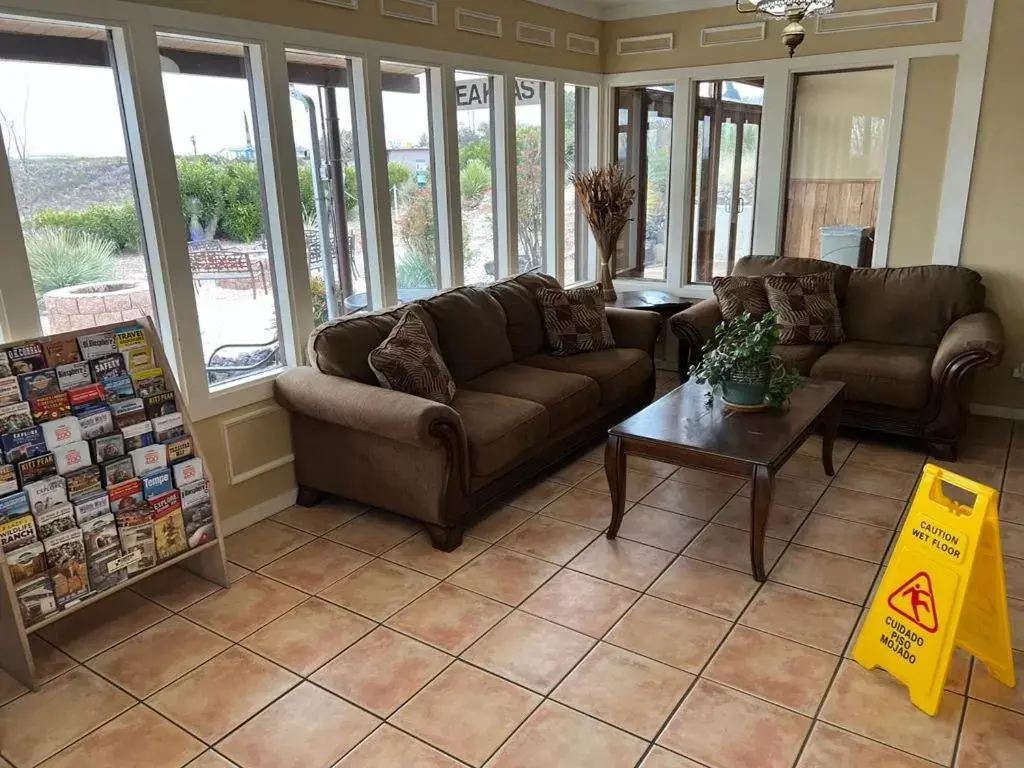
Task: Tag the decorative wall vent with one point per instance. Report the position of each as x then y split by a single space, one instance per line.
477 23
582 44
878 18
731 34
352 5
646 44
423 11
535 34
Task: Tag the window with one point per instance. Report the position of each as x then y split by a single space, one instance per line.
475 110
407 132
62 125
209 90
578 101
727 138
322 110
837 158
643 125
531 157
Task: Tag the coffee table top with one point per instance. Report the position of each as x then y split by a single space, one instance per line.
682 419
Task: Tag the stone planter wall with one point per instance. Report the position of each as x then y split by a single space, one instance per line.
84 306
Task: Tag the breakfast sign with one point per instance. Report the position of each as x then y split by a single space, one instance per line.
476 93
944 587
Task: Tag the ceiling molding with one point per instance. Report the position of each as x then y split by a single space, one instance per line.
612 10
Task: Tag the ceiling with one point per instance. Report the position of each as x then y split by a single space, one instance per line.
609 10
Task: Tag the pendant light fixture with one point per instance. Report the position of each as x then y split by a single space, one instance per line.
794 11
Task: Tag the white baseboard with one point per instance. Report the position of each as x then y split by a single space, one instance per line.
261 511
999 411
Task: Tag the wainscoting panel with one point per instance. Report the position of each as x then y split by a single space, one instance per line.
256 442
816 203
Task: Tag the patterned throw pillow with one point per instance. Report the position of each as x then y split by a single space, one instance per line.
575 320
806 308
408 361
737 295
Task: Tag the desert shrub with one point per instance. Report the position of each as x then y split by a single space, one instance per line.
59 258
415 268
318 292
474 180
117 223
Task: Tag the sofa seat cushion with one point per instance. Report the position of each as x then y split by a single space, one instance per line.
500 430
618 372
566 396
883 374
800 356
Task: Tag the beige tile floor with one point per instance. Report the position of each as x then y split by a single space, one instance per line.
346 640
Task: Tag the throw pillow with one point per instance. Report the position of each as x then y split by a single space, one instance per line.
805 307
408 361
575 320
737 295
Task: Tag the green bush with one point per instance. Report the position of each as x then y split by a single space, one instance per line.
398 174
59 258
319 295
474 180
117 223
415 267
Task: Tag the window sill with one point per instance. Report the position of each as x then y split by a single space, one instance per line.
234 395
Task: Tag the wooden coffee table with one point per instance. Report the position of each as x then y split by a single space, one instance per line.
681 429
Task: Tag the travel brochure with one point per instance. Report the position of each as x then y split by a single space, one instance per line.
98 476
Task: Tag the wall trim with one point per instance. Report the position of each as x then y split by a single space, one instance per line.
477 23
535 34
708 34
420 11
241 477
631 10
999 411
263 510
352 5
879 14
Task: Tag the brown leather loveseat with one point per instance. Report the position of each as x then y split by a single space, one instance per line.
914 336
517 408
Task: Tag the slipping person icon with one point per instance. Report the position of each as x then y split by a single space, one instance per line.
915 592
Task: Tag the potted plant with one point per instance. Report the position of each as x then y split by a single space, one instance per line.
740 363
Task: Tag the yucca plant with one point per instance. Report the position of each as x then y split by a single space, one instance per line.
606 198
60 258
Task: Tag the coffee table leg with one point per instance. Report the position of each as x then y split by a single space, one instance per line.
761 481
615 469
830 428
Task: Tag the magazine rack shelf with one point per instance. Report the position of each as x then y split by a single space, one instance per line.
206 559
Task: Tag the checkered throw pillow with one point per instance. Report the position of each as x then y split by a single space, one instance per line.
408 361
805 307
737 295
575 320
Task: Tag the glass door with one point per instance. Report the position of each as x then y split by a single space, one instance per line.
727 138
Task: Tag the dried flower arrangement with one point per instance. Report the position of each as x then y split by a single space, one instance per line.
606 196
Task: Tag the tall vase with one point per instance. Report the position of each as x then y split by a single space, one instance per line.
604 257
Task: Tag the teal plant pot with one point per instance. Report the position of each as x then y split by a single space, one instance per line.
744 393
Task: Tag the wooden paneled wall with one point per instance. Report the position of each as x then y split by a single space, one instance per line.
815 203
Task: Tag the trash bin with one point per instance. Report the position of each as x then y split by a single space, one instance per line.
849 245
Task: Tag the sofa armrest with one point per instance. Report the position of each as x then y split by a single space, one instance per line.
394 415
695 327
634 328
975 339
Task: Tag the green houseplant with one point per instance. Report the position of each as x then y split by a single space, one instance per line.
740 363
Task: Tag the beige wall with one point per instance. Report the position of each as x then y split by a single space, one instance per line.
929 107
687 28
367 22
993 242
246 444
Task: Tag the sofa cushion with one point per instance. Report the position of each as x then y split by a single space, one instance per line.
759 266
618 372
341 347
408 361
909 305
800 356
518 297
884 374
737 295
470 330
805 307
500 430
566 396
575 320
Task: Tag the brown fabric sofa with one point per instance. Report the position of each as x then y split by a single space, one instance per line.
517 408
914 336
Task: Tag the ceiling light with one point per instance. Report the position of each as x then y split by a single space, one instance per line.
794 11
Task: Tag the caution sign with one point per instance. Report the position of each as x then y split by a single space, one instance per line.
943 587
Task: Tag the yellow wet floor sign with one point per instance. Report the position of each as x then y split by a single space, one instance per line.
943 587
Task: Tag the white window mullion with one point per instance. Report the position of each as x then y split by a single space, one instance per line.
680 196
595 151
554 175
773 159
506 204
149 139
444 136
19 313
285 237
373 152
